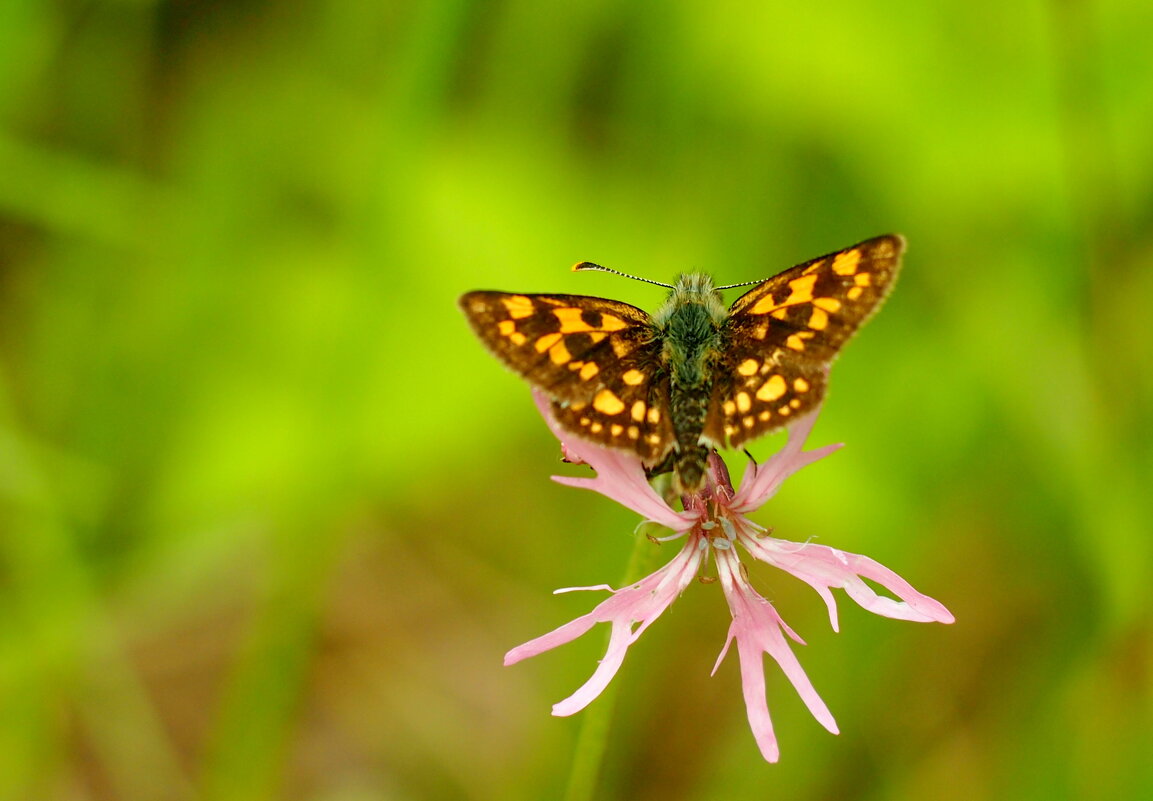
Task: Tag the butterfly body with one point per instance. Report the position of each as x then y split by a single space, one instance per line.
693 376
690 327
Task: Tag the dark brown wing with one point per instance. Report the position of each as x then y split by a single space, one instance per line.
599 360
782 336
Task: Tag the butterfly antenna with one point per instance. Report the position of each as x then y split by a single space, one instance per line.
746 283
588 265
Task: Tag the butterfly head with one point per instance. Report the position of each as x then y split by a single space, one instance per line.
692 290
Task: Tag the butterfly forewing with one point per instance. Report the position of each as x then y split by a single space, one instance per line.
782 335
599 360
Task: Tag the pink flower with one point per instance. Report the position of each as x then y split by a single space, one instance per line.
714 522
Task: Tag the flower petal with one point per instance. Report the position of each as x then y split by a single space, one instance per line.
620 475
822 567
642 602
758 630
761 482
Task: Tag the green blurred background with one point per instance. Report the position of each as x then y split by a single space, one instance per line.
270 516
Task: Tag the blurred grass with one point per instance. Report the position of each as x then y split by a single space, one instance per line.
269 517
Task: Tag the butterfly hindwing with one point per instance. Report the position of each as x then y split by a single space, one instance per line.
627 416
756 395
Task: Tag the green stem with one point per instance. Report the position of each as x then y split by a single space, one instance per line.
588 754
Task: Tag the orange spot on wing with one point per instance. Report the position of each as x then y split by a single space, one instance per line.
558 353
846 263
571 322
772 389
621 347
518 306
607 402
546 342
800 291
764 305
612 323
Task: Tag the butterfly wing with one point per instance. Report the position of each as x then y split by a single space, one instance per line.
599 360
782 336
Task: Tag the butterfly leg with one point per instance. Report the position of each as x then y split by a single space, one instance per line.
665 465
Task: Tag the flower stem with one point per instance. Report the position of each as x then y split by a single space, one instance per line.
592 740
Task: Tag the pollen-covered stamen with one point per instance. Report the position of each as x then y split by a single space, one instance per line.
707 530
759 531
676 535
721 527
730 529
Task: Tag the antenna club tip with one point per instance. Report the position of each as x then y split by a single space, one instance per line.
585 265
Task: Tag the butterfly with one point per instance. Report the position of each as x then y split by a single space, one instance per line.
693 376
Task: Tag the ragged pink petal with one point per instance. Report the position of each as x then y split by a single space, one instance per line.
758 630
620 475
761 482
642 602
822 568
